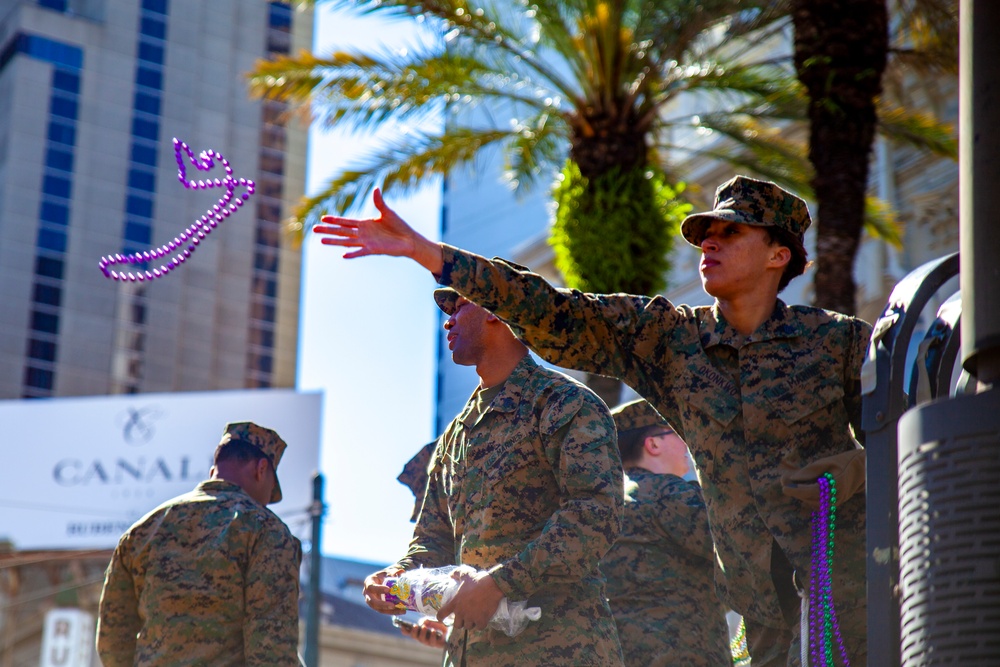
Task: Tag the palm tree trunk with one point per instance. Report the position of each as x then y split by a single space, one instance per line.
841 47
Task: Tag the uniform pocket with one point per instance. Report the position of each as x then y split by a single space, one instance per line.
808 391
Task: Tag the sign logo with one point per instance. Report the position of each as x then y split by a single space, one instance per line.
138 426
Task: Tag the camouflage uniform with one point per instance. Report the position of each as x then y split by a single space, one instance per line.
660 577
660 571
532 492
208 578
787 394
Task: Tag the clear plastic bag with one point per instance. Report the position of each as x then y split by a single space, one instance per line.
427 590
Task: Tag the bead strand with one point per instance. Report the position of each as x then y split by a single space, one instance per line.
193 235
824 628
738 646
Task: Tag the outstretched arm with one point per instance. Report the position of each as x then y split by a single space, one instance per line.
388 234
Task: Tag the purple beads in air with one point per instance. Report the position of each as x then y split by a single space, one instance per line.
191 236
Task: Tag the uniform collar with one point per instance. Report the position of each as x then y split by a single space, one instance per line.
717 331
510 394
217 485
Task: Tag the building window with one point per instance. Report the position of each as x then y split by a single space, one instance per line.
52 239
62 134
140 179
57 5
39 378
44 322
66 81
155 6
42 349
151 53
55 158
49 295
48 267
152 27
57 214
139 207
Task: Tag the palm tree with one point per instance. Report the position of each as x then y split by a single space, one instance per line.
587 81
842 50
589 84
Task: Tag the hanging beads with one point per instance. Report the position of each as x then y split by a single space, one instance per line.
824 629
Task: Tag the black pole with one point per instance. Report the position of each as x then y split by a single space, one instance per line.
979 177
315 565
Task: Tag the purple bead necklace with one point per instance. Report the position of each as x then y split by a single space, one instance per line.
192 236
823 625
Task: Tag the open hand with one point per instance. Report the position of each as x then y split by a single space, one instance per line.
387 234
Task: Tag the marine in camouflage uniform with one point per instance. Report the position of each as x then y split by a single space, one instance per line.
210 577
526 483
748 406
660 572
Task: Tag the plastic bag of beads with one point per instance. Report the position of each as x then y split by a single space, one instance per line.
428 590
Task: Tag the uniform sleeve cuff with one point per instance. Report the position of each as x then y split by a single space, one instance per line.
512 580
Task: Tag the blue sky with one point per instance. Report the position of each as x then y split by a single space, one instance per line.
367 340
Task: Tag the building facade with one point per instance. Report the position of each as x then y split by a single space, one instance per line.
92 93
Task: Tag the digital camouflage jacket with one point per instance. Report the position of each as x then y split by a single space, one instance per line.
660 573
208 578
532 492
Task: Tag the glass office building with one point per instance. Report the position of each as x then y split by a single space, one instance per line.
92 94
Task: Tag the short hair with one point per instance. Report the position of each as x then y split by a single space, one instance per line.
630 442
238 450
799 262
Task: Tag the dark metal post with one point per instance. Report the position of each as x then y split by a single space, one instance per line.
949 449
979 178
316 510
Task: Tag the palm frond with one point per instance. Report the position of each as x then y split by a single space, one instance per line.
538 147
920 130
399 167
881 222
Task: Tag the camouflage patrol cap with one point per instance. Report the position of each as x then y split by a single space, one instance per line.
445 298
750 202
264 439
637 414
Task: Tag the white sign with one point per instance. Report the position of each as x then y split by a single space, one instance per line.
77 472
68 638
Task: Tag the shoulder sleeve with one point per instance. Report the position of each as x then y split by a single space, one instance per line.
433 542
589 519
271 621
118 620
682 516
573 329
